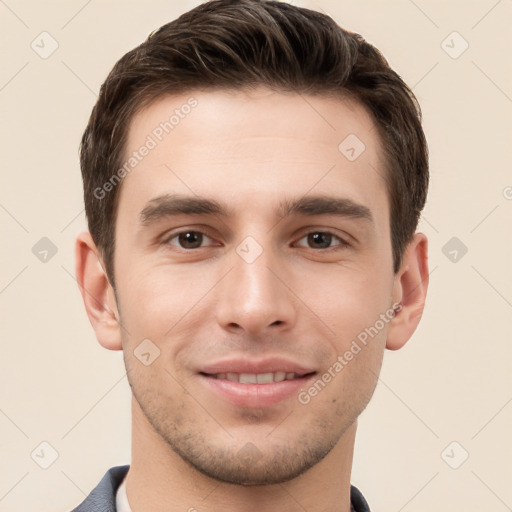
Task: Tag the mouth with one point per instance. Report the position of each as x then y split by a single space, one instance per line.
258 378
256 390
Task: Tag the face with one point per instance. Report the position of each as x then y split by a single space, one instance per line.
252 247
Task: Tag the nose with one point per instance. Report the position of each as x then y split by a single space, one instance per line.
255 298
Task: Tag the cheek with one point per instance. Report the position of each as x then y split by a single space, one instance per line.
353 373
155 299
158 389
353 303
168 307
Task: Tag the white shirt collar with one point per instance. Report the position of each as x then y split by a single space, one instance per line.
122 504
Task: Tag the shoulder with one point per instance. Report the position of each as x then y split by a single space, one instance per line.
359 504
103 496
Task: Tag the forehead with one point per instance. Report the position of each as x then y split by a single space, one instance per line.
252 143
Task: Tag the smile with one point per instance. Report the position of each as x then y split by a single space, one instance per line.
257 378
256 390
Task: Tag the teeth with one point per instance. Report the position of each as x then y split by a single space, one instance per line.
257 378
264 378
248 378
279 376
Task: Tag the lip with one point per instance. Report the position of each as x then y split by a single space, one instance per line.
255 396
267 365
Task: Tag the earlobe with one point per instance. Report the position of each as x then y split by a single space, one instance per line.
97 293
410 290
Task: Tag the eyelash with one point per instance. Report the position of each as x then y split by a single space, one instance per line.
343 243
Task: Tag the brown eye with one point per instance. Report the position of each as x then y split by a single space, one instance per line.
189 239
322 240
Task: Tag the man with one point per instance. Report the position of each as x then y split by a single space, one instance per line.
253 178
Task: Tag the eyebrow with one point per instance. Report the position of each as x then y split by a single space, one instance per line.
169 205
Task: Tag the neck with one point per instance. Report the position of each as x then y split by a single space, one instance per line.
160 480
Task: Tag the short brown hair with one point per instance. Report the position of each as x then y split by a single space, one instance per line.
234 44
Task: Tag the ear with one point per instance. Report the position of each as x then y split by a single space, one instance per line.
409 289
97 293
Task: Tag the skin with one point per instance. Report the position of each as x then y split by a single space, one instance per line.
299 300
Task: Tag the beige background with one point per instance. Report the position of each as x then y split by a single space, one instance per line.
452 382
